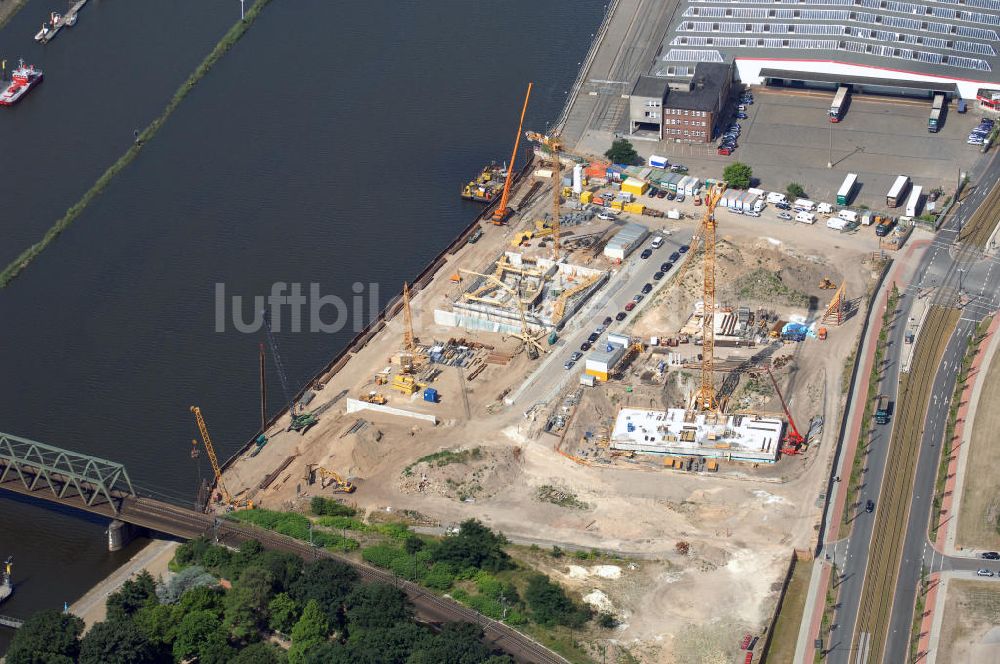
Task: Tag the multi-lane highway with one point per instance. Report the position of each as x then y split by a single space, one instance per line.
878 574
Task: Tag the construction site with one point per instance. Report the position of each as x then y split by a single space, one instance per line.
680 383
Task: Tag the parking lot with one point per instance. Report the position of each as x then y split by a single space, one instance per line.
787 137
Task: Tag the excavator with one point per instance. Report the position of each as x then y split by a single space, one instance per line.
328 477
227 497
793 442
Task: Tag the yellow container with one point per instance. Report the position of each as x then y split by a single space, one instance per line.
616 205
586 197
634 186
635 208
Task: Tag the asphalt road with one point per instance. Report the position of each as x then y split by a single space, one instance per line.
948 267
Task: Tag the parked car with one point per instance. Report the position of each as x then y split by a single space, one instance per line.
576 356
725 151
661 194
870 506
783 206
585 346
629 306
989 555
657 276
606 216
665 267
646 289
651 193
683 248
646 253
680 198
742 116
752 213
569 365
671 195
638 298
679 168
594 336
607 321
984 572
785 216
675 256
620 316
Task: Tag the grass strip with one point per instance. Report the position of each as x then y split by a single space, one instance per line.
857 463
961 378
235 33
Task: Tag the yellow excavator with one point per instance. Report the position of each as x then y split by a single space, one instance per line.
243 503
340 485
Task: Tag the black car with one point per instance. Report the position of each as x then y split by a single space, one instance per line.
621 315
646 289
675 256
783 206
870 506
594 336
671 195
657 276
607 321
651 193
646 253
661 193
683 248
990 555
585 346
665 266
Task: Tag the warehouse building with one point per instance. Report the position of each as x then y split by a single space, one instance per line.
948 45
688 433
686 110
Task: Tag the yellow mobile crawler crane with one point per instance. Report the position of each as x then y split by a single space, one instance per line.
340 485
207 440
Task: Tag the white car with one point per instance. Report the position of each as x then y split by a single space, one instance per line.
606 216
785 216
984 572
752 213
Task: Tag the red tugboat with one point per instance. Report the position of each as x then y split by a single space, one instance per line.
23 79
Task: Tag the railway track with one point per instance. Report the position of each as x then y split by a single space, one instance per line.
977 230
184 522
892 517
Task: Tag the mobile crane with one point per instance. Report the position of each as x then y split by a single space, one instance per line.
502 211
299 419
793 439
207 440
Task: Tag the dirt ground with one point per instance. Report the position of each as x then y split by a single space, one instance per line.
980 505
970 633
488 460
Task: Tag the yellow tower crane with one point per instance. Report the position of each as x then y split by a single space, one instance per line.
408 343
554 145
207 440
705 397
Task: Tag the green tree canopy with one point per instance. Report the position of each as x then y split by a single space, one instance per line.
328 582
246 603
132 596
738 175
117 642
47 637
795 190
550 605
159 623
413 544
199 634
260 653
623 152
475 545
310 631
376 606
283 613
457 643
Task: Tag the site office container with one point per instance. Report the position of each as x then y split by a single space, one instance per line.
848 215
775 197
805 204
658 162
805 217
682 185
836 223
691 188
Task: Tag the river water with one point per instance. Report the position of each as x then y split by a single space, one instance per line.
327 147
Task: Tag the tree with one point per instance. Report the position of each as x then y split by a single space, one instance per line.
259 653
376 606
284 568
132 596
386 646
475 545
197 635
738 175
171 590
413 545
47 637
457 643
159 623
328 582
311 630
321 506
246 603
550 605
283 612
202 598
117 642
622 152
795 190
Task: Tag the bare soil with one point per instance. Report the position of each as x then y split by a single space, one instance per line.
970 632
980 506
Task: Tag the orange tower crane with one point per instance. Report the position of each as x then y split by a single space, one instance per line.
705 398
503 212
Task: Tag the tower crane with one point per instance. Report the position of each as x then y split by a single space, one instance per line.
207 440
554 145
705 398
502 212
409 356
531 344
298 419
793 439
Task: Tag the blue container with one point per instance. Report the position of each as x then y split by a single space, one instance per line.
431 394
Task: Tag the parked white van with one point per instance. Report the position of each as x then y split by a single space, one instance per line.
804 204
805 217
775 197
848 215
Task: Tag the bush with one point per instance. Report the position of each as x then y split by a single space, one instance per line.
441 576
475 545
795 190
321 506
551 606
341 523
381 555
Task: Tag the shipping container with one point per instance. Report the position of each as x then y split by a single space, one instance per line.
836 223
897 194
634 186
913 204
658 162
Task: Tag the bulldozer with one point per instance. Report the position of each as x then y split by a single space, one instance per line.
374 397
826 284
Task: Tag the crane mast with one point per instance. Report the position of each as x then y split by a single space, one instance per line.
207 440
502 212
705 398
408 344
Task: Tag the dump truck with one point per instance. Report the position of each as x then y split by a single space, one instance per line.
882 409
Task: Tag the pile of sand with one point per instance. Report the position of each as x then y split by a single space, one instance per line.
477 476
